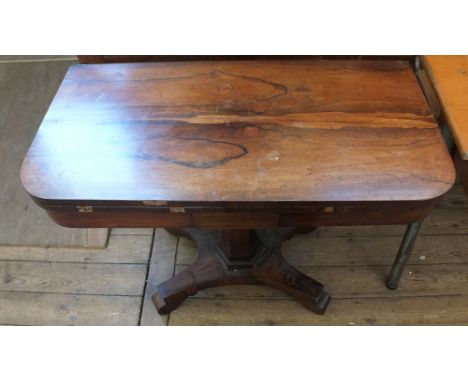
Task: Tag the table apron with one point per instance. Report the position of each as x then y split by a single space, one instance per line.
99 217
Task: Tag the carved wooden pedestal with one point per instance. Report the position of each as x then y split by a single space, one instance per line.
227 257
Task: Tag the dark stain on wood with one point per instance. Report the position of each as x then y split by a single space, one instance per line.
208 153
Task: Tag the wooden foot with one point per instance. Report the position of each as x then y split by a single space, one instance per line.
229 257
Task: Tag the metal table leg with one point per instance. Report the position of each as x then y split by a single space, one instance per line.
403 255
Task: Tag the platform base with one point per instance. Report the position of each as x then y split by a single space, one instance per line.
230 257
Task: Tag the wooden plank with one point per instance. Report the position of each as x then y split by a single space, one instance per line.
121 249
18 308
449 75
351 251
361 282
312 250
161 268
114 279
97 237
133 231
447 310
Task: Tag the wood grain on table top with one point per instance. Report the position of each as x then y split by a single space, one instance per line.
449 74
255 131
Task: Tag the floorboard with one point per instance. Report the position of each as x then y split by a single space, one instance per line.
133 231
161 268
20 308
363 282
74 286
447 310
131 249
104 279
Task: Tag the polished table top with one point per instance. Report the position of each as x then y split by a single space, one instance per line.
225 132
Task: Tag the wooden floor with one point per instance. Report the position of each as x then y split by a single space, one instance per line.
40 286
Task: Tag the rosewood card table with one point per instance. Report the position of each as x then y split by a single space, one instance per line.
240 156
